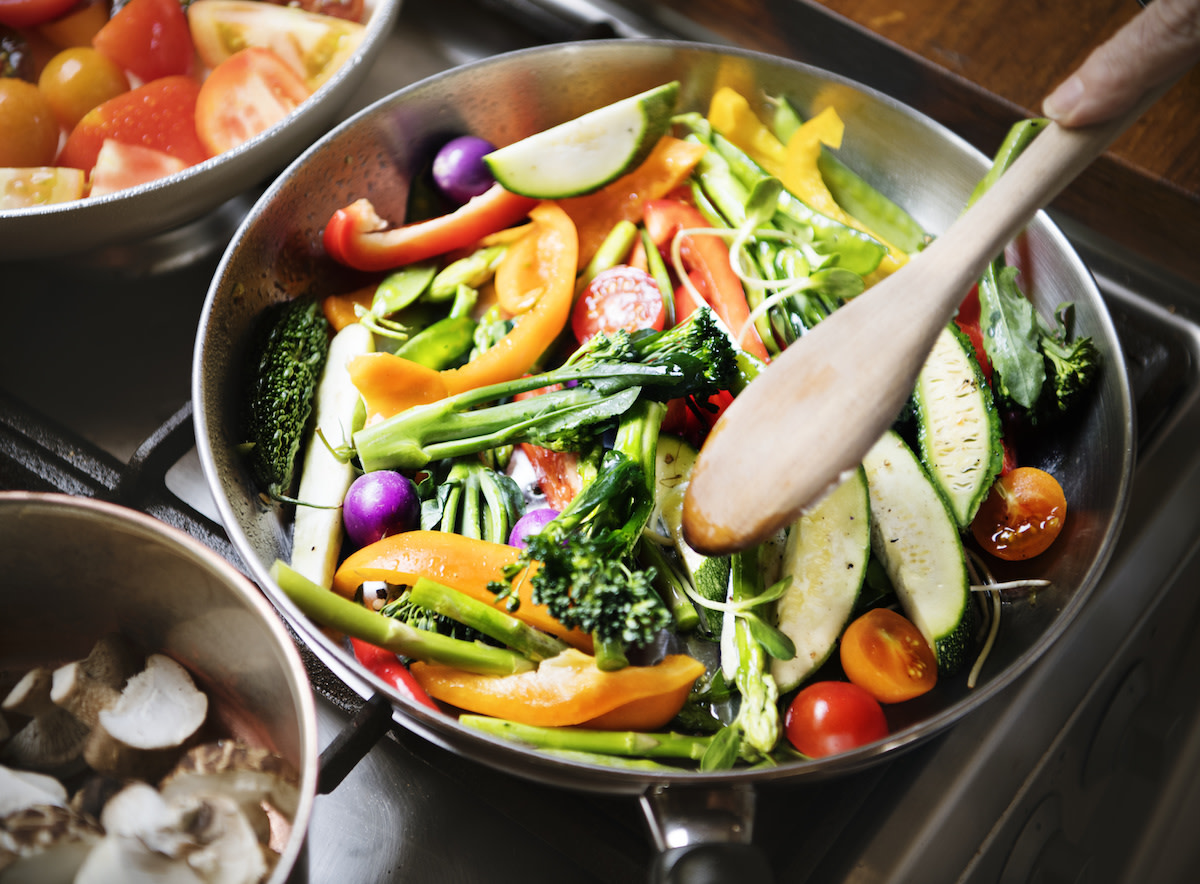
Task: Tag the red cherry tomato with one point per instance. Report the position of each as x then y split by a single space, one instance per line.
160 115
149 38
829 717
28 13
884 653
246 94
351 10
621 297
1021 516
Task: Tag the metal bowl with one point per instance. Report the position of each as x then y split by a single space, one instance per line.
277 255
75 569
157 207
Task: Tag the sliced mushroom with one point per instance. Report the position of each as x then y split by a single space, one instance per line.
20 789
144 732
46 844
52 740
248 774
196 840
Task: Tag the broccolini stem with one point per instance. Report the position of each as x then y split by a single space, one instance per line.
669 583
520 636
632 744
331 610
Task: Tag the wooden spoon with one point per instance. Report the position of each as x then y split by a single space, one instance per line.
820 406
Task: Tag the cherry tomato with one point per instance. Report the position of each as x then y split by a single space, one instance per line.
150 38
79 79
27 13
160 115
28 130
78 27
829 717
1021 516
884 653
621 297
246 94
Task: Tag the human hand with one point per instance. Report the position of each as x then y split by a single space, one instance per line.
1157 47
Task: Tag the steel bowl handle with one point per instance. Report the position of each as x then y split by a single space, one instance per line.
704 835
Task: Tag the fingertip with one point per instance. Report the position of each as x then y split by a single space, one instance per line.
1062 103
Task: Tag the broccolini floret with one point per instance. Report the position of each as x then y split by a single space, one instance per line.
1072 369
589 394
586 574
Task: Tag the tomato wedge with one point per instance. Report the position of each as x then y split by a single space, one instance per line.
244 96
831 717
884 653
620 297
28 13
149 38
1022 515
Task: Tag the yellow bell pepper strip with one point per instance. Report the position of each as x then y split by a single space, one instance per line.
795 166
462 563
595 214
358 237
569 689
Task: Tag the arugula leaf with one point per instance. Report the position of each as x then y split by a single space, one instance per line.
1011 329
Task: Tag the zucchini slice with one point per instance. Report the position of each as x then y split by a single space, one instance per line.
958 428
915 537
826 559
709 575
324 480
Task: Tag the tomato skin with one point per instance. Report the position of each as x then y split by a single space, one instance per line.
28 129
620 297
149 38
350 10
245 95
831 717
885 654
1022 515
29 13
160 115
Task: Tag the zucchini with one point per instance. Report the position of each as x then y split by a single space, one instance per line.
584 154
324 480
288 361
709 575
826 560
914 535
958 428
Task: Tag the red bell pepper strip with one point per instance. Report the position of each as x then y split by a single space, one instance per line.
387 666
357 237
706 260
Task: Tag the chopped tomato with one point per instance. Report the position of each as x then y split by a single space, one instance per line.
28 13
120 166
149 38
39 186
968 322
245 95
706 260
77 27
1022 515
884 653
830 717
159 115
557 472
620 297
350 10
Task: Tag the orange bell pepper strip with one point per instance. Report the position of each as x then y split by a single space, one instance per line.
340 310
357 237
706 261
557 254
463 563
668 165
389 384
568 689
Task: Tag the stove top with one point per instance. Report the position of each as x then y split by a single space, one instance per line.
1079 769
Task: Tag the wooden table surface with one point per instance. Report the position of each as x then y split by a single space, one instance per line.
977 66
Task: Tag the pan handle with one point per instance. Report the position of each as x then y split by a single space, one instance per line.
704 834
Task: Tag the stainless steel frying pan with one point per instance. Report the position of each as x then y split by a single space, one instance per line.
701 819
